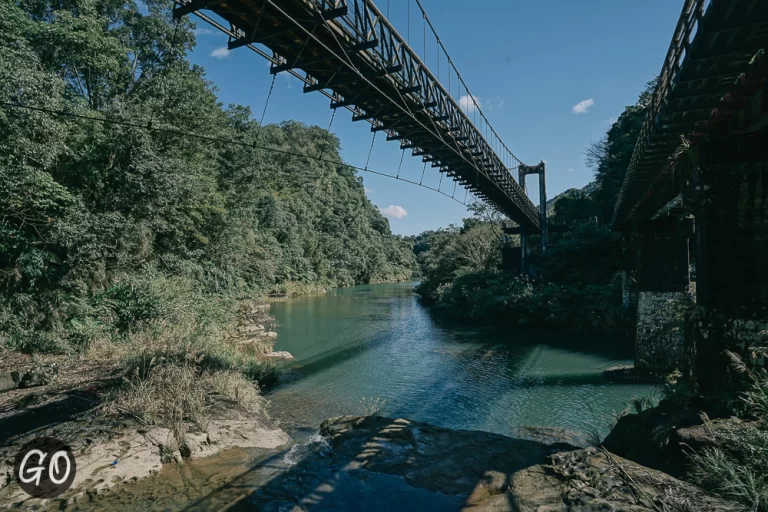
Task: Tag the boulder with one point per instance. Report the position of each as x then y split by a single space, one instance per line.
112 452
7 381
646 438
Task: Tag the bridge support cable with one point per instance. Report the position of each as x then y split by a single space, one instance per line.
377 65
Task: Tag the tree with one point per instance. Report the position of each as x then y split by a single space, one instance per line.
610 156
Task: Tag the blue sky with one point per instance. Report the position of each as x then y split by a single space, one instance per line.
529 64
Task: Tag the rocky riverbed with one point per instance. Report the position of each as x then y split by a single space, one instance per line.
364 462
110 453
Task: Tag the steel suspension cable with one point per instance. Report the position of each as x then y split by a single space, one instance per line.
370 151
458 75
365 79
266 104
328 140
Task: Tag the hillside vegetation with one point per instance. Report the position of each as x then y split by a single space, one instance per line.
115 233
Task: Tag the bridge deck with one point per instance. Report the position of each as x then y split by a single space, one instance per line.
349 48
713 71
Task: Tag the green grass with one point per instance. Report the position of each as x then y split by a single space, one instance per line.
737 466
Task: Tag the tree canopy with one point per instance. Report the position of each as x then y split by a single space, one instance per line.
86 204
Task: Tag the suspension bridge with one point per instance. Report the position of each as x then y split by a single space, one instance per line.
349 51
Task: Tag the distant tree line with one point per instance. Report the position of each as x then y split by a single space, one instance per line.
574 287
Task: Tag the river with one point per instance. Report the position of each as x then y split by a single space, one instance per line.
378 341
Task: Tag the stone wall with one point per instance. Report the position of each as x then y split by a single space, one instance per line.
660 341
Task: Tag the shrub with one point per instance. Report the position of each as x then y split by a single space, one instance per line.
737 466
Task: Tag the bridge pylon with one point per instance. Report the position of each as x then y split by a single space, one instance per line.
523 171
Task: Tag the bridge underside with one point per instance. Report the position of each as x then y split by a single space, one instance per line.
351 50
694 204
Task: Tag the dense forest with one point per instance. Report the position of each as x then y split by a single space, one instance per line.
115 225
575 287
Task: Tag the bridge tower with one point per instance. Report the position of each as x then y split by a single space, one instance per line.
523 171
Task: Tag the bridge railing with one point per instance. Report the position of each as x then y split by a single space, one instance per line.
367 27
434 124
687 25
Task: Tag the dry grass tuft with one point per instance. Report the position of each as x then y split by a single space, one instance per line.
235 386
371 406
168 395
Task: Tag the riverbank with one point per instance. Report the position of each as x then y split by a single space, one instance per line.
479 385
381 463
113 452
127 409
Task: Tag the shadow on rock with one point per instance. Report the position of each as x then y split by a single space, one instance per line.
374 463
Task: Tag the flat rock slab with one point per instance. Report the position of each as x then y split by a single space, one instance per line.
485 471
109 453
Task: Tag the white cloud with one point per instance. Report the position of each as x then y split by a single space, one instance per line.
571 169
202 32
220 53
367 190
494 103
469 103
582 107
393 211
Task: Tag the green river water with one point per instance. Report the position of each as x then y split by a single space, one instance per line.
377 341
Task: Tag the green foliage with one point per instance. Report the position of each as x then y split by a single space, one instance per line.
610 156
108 231
574 288
587 254
736 467
514 299
719 473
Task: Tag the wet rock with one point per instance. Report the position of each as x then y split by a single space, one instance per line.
39 375
711 433
111 452
553 436
225 434
259 308
593 479
251 329
435 458
646 437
